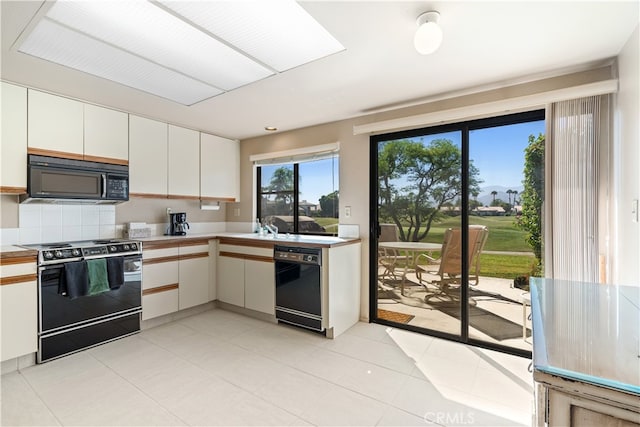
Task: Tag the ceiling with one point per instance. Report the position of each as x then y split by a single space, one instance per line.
485 44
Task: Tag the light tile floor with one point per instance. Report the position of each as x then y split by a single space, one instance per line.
221 368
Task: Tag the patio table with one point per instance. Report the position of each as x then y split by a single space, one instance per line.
412 250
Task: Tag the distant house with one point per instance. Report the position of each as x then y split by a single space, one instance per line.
489 211
308 207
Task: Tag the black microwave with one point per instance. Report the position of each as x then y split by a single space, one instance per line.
53 179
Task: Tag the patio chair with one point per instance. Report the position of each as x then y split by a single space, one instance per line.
392 263
448 268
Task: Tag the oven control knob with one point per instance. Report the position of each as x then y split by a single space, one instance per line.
58 254
126 247
134 246
75 252
112 248
48 254
309 258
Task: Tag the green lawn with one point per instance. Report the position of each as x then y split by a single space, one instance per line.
503 233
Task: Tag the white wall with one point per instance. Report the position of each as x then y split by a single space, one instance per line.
625 240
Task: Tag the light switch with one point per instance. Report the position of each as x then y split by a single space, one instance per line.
236 211
634 210
347 211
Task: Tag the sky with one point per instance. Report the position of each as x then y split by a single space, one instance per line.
497 152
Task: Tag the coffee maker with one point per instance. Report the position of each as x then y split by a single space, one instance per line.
178 224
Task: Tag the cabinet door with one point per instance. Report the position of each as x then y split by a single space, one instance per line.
159 303
231 280
194 282
106 135
260 286
19 319
184 167
55 124
13 161
147 157
219 168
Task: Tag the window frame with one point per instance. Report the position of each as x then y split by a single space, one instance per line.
296 188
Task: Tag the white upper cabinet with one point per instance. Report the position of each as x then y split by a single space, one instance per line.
219 168
106 135
147 157
13 152
184 167
55 124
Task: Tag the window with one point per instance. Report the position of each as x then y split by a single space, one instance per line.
300 196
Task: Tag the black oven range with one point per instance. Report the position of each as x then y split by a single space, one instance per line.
89 293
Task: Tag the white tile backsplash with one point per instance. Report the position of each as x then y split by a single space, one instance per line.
90 232
51 216
108 231
72 233
29 215
90 215
72 215
108 217
30 235
52 234
9 236
45 223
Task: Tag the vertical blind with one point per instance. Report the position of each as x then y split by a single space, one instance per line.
575 189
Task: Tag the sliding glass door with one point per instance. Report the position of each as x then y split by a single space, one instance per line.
454 235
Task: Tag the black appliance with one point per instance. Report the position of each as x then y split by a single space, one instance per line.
299 286
67 325
57 180
178 224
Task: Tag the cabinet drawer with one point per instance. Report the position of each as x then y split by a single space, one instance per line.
159 274
159 303
159 253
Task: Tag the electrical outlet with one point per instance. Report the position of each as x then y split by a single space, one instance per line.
347 211
168 211
236 211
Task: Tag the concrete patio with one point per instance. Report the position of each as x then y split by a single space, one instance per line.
495 309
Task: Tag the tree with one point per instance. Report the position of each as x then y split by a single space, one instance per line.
533 195
329 204
509 193
281 185
494 193
416 181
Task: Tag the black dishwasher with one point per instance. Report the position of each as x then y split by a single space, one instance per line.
298 286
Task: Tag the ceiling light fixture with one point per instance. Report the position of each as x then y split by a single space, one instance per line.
270 128
428 36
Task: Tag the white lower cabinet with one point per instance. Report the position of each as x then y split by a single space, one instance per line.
231 280
175 276
260 286
193 275
19 308
246 277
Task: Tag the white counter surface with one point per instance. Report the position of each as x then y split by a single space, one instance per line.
282 238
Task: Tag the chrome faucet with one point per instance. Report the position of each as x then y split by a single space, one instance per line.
272 229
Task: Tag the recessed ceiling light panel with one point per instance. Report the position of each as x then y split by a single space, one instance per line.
61 45
280 33
152 33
